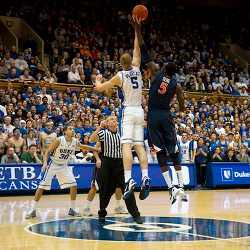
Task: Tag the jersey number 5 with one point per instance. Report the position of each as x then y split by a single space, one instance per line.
134 82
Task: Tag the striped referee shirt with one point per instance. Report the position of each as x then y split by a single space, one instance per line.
111 143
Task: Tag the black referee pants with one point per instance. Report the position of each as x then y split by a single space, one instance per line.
112 177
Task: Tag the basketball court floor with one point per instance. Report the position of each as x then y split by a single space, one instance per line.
212 219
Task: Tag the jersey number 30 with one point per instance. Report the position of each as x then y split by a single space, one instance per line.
134 82
64 156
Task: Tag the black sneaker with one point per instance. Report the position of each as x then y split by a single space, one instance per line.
138 220
173 192
73 213
129 188
145 188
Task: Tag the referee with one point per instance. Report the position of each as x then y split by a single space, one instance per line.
112 172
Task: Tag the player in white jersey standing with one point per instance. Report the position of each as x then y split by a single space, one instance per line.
62 148
185 149
129 81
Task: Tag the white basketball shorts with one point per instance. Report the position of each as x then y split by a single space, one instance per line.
63 174
132 125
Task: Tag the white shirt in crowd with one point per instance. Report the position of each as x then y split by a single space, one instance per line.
21 64
220 131
185 151
3 109
74 77
9 129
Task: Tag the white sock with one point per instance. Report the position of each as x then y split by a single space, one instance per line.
180 178
167 179
73 204
88 204
127 175
118 203
144 173
34 205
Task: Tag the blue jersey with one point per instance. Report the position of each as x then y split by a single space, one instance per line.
161 92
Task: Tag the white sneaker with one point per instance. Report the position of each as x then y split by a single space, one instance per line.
31 215
120 210
173 194
87 211
182 195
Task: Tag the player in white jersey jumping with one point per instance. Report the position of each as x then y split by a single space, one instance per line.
129 81
62 148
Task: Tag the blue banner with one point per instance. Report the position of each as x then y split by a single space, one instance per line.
228 174
26 177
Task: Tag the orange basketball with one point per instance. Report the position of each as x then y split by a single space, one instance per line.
140 11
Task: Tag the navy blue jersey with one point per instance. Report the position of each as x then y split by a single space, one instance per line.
161 92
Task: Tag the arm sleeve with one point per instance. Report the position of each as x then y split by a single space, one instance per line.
101 135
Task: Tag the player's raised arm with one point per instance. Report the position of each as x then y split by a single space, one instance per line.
146 59
137 51
107 85
180 97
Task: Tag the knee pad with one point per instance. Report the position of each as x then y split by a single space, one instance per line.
162 158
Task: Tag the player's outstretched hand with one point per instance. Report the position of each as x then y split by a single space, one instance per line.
134 21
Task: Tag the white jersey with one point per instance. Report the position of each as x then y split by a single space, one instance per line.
185 146
131 86
64 151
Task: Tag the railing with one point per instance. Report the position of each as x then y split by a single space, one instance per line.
18 85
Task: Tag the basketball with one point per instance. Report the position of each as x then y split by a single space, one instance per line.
140 11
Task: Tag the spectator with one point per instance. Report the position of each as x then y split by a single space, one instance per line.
31 156
16 141
10 156
230 156
13 75
26 76
13 52
31 138
3 136
8 60
74 76
4 71
184 145
8 127
21 64
243 91
222 143
230 141
219 129
213 144
201 161
62 71
243 156
193 146
217 156
44 93
3 112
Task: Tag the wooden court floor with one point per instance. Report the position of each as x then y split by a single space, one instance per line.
226 205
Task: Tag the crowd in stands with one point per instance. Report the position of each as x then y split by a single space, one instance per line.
218 128
82 44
